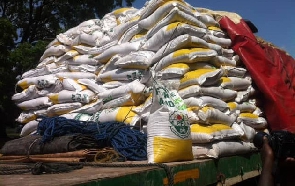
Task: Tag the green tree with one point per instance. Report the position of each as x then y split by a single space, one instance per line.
7 37
44 19
26 56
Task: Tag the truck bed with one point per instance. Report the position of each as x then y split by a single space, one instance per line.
226 170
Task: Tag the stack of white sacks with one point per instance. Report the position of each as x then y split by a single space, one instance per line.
104 70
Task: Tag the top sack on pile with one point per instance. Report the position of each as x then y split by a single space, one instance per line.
166 9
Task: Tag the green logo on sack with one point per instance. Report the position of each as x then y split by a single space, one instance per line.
169 98
179 124
43 83
135 75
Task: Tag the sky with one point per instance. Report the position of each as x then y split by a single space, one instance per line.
275 19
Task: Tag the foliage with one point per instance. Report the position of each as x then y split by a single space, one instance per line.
7 37
44 19
26 56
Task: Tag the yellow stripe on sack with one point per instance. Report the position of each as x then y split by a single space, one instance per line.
220 127
121 10
232 105
145 103
205 109
182 176
182 52
60 112
214 28
76 57
209 128
194 11
135 18
27 120
107 79
83 87
54 98
118 21
178 65
57 43
134 100
137 98
140 34
23 84
248 115
73 52
195 74
173 25
125 114
61 78
128 102
150 96
165 150
225 79
25 90
200 128
193 109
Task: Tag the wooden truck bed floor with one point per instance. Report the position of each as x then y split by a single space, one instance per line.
228 170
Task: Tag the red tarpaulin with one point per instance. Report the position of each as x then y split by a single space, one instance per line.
271 69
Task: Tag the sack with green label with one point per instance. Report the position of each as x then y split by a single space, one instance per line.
168 128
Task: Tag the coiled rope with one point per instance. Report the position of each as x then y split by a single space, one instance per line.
129 143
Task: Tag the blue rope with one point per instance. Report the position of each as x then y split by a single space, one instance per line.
128 142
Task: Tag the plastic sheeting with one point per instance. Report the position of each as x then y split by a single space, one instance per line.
272 71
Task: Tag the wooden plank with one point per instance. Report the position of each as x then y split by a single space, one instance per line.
197 172
84 175
241 178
